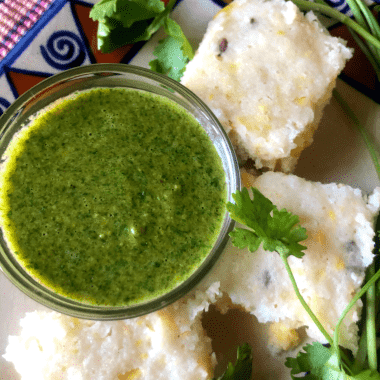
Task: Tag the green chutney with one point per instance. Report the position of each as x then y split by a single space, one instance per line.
112 196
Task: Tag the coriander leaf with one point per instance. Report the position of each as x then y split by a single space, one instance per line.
110 37
123 22
102 9
332 371
173 52
321 363
130 11
282 224
126 12
170 59
159 20
276 229
312 360
242 238
174 30
242 370
368 375
252 213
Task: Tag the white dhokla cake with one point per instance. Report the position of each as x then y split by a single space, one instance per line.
267 71
166 345
340 226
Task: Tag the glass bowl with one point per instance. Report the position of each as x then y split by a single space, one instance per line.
108 76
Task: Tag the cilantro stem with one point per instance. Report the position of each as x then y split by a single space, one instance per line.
359 294
312 315
355 9
368 52
370 18
361 129
302 300
361 354
369 23
371 322
169 7
371 295
159 20
328 11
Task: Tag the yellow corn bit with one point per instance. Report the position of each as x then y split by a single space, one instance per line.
130 375
332 215
301 101
282 336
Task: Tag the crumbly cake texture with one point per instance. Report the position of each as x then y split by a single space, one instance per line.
166 345
267 71
339 221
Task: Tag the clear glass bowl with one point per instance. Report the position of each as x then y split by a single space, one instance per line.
114 75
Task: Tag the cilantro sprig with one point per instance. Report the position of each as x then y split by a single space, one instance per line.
277 231
321 363
122 22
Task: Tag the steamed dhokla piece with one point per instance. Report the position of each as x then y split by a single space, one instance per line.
169 345
267 71
339 222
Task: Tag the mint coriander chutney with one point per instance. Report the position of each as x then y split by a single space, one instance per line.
112 196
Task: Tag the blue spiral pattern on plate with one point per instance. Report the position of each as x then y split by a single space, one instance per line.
4 104
64 50
343 7
337 3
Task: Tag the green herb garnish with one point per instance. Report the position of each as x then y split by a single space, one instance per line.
242 370
276 229
122 22
173 52
321 363
268 225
